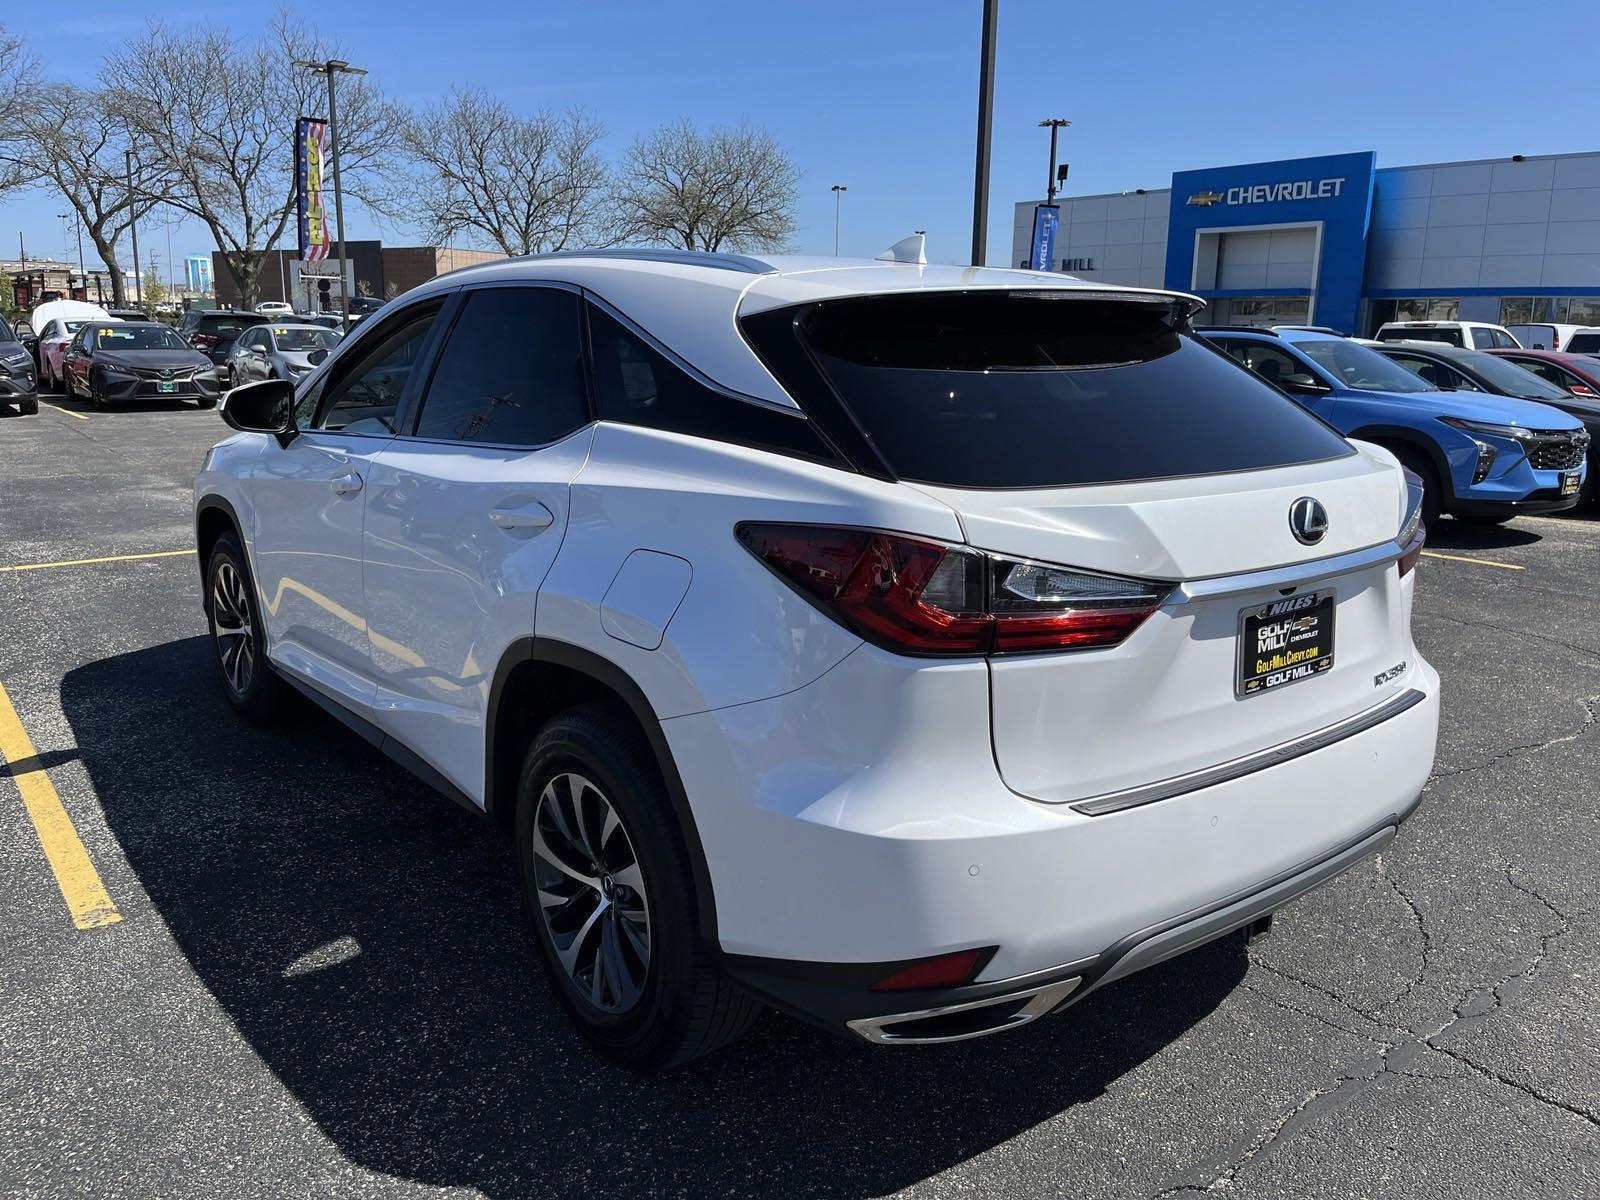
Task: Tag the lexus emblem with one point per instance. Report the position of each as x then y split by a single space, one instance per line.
1308 521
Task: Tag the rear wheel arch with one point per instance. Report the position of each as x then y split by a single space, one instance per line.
538 678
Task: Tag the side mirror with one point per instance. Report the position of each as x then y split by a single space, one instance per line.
1303 384
265 407
317 356
23 329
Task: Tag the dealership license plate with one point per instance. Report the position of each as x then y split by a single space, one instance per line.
1570 482
166 386
1285 641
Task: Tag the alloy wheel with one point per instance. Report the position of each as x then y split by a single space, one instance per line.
592 895
230 622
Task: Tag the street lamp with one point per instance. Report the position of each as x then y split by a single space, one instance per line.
330 68
838 190
1055 125
133 225
980 174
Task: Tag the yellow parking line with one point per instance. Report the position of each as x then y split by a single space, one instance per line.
86 897
68 411
84 562
1482 562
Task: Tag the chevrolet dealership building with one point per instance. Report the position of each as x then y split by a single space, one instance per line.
1339 241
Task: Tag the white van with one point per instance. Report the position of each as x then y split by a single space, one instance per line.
1549 335
1469 335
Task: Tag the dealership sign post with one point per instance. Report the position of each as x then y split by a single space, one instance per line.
311 148
1045 219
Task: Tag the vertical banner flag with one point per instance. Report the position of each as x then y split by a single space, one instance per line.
1045 219
311 145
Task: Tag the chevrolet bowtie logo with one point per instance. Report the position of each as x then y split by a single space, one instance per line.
1205 199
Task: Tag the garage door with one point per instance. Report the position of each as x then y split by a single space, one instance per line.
1275 258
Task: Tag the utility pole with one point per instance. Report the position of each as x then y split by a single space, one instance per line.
84 275
133 226
330 68
980 182
838 190
1055 124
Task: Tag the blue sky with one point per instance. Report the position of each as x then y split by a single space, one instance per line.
879 94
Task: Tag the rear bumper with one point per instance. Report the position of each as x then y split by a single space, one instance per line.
837 995
860 823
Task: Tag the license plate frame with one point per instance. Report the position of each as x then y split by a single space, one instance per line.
166 387
1571 482
1253 674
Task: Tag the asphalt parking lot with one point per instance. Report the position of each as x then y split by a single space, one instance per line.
309 976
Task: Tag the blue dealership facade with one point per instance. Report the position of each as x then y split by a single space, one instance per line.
1337 240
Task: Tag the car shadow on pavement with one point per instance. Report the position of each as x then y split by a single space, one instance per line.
1452 534
366 938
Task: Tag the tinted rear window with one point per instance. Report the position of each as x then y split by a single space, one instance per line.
1584 343
1451 337
1042 389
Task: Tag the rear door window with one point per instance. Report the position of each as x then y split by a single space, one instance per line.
1039 388
1483 339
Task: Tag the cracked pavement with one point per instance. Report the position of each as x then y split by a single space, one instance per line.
322 985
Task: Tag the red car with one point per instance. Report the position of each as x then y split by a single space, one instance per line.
1578 374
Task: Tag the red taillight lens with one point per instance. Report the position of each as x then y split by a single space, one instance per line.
918 596
1413 549
944 970
1413 534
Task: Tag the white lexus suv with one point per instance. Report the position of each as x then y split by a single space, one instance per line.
913 648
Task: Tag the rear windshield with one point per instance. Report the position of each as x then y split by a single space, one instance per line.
1017 389
299 340
1450 336
229 326
1583 343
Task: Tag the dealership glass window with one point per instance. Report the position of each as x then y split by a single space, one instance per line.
1584 310
1269 311
1516 310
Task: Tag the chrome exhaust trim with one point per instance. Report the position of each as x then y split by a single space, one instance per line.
887 1030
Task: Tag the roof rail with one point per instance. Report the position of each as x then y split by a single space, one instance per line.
688 258
1235 329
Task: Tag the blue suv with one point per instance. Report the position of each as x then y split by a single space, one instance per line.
1479 456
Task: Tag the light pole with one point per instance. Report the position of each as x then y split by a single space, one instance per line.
330 68
133 225
838 190
1055 124
980 181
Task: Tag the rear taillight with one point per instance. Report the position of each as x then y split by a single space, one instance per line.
202 341
1413 533
917 596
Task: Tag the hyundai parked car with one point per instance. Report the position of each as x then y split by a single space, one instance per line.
1480 457
18 380
213 331
279 352
114 362
54 323
1472 335
821 634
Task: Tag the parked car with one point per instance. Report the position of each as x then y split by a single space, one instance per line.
323 320
118 361
56 321
18 376
279 352
276 309
1579 376
1480 457
1548 335
741 592
1584 341
1456 370
213 331
1474 335
129 314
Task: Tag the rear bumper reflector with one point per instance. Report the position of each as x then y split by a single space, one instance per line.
1260 760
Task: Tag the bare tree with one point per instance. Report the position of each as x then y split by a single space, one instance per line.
523 184
19 73
727 187
69 138
218 113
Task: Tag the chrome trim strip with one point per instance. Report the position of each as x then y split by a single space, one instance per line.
1283 577
1272 756
880 1030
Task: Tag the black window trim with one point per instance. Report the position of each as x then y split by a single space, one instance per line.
411 414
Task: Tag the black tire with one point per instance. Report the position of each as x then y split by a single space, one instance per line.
1420 465
255 692
29 406
1590 495
97 400
684 1007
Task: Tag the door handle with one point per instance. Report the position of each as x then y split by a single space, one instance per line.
347 485
530 518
